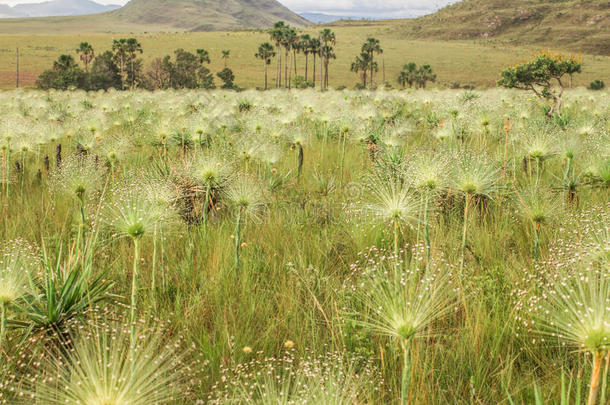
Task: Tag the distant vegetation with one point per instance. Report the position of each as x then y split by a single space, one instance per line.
121 68
540 74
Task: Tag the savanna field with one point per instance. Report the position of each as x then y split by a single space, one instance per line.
305 247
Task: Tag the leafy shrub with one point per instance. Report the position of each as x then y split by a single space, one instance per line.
597 85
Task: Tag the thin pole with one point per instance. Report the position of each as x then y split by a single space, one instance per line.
17 72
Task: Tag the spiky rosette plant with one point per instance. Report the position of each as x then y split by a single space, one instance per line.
473 177
212 174
18 267
540 208
537 146
428 174
138 208
393 203
103 368
329 379
79 178
404 305
576 311
248 201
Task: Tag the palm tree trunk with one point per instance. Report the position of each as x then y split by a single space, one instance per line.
372 65
278 70
306 63
266 68
314 69
286 67
290 74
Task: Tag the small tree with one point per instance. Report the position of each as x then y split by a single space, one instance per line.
408 75
86 54
597 85
226 54
265 53
371 47
424 75
65 74
539 76
362 64
227 77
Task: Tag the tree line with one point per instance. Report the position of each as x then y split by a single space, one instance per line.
285 38
121 68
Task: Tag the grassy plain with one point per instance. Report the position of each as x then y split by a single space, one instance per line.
490 219
472 62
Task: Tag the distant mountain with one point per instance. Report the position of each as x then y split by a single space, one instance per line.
206 15
321 18
55 8
158 16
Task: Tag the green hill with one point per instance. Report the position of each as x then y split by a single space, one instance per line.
579 26
163 15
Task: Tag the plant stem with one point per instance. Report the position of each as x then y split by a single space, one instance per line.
406 371
595 377
465 230
396 234
134 290
162 259
605 379
22 175
299 161
237 238
426 229
536 250
2 324
153 283
343 157
206 205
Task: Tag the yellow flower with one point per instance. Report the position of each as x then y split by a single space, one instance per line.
247 349
289 344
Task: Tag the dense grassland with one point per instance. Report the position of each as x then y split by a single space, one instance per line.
429 247
464 62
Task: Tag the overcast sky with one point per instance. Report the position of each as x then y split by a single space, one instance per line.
355 8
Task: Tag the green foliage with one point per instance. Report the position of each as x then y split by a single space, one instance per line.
597 85
65 75
227 77
539 75
411 75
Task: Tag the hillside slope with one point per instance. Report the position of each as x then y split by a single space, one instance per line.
582 25
163 16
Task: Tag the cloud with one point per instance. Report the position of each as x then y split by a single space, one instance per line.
367 8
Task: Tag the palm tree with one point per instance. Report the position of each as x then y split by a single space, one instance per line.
314 49
86 54
225 55
291 43
372 46
327 39
361 65
424 74
289 38
277 35
119 47
133 48
305 45
204 56
408 75
265 53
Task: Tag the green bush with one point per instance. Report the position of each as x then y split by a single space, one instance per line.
597 85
